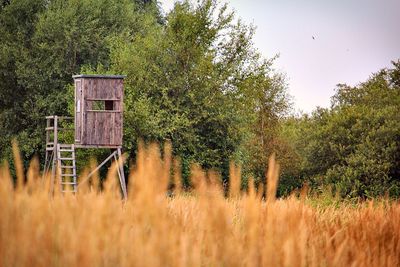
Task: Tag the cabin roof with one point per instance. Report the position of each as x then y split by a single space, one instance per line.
98 76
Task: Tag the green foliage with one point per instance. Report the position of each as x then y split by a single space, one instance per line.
17 26
354 146
43 44
195 81
194 76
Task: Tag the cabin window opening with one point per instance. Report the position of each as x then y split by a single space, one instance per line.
109 105
102 105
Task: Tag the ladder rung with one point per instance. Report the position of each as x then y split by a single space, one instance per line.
65 145
49 148
59 129
66 152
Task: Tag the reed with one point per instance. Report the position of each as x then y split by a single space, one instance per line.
198 228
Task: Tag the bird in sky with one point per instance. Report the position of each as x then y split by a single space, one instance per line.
313 37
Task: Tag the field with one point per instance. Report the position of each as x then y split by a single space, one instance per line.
199 228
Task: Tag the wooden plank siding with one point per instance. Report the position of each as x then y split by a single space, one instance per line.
94 127
78 110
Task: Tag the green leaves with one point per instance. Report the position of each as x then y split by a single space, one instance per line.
196 81
355 145
193 77
43 43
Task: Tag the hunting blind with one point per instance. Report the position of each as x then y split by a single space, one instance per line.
97 123
98 110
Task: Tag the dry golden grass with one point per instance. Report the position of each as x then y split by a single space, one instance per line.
203 228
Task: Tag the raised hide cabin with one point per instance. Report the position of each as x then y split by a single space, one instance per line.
98 110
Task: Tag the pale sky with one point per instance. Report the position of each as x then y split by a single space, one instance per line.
352 39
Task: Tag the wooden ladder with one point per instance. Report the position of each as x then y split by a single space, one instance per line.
67 167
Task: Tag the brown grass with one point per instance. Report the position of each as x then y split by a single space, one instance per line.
201 228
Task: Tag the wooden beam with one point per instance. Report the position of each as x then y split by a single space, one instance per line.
98 167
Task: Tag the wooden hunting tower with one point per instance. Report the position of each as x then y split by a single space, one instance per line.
98 110
97 123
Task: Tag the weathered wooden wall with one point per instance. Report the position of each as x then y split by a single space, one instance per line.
99 127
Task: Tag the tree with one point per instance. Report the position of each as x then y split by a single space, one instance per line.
17 27
196 81
354 146
43 44
271 105
194 77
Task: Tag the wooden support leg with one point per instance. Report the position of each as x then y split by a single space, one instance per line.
98 167
121 174
120 170
55 159
53 172
46 159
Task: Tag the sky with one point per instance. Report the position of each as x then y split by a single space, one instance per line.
321 43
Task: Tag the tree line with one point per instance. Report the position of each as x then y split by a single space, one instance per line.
353 146
194 78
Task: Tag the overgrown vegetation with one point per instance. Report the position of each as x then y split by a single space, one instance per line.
354 146
195 78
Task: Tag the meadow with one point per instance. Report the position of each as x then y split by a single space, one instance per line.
160 225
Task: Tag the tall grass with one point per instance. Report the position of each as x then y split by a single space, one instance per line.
201 228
